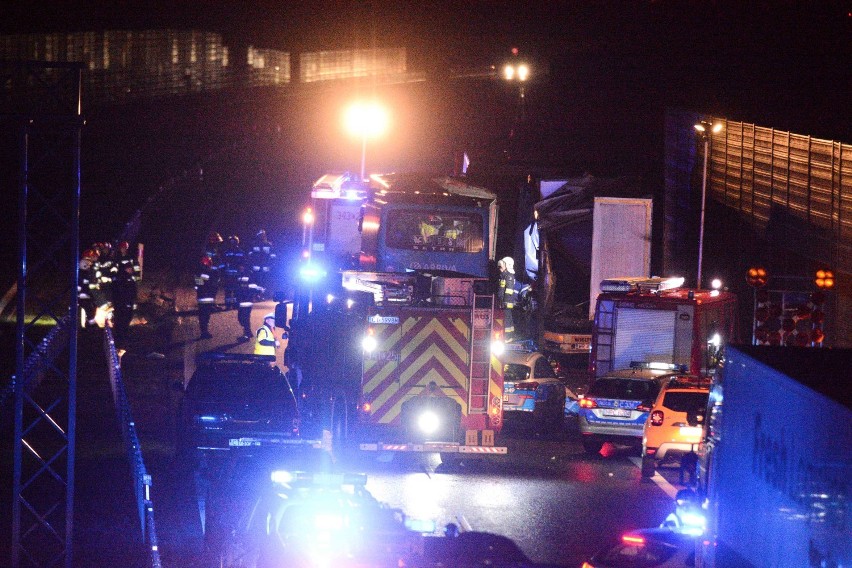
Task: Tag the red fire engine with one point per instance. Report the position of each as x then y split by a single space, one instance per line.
651 320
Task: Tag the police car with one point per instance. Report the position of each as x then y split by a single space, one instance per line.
617 404
531 389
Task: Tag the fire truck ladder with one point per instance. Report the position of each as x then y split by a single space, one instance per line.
605 326
480 353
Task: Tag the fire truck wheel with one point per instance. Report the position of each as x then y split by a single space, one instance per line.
592 445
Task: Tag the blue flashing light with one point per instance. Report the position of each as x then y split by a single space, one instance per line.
311 272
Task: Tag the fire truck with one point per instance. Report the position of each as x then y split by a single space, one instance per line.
657 320
398 353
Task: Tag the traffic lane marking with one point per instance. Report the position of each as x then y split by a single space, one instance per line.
661 481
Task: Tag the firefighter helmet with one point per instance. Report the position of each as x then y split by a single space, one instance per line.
508 263
261 236
206 261
90 254
270 315
214 238
123 246
234 240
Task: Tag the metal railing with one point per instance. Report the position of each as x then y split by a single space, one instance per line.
141 478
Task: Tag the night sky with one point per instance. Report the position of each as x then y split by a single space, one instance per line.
605 73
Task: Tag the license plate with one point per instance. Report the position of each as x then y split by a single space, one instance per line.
243 442
619 412
691 432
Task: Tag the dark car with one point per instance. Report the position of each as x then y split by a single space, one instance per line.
647 548
237 402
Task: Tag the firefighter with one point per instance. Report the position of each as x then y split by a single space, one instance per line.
126 273
206 286
506 294
247 291
102 292
261 259
233 260
86 285
265 342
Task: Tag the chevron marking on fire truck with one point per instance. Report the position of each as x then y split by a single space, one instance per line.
431 349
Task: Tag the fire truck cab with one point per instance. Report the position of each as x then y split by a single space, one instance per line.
656 320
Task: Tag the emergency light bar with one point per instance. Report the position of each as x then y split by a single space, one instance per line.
640 284
283 477
658 366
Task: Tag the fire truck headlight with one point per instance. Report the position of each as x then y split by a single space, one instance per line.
369 343
498 347
311 272
428 422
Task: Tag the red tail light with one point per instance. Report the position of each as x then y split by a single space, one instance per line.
657 418
588 403
532 385
633 539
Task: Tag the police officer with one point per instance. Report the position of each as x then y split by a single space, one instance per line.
126 273
261 259
247 290
506 294
233 261
265 342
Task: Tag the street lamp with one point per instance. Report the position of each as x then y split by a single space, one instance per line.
520 72
704 129
366 120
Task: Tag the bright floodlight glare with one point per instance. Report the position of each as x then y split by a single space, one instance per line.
369 343
329 298
700 128
716 340
366 120
509 72
350 302
717 128
523 72
428 422
308 216
282 477
716 284
498 347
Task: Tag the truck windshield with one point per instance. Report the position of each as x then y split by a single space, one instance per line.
434 231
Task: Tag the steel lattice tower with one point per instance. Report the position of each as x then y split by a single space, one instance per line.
40 113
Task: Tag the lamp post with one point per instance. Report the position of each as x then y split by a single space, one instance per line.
366 120
520 72
704 129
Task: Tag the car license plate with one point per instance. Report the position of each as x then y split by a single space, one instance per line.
691 433
243 442
619 412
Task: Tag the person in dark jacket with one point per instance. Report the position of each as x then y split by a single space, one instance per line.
125 275
206 286
247 291
506 294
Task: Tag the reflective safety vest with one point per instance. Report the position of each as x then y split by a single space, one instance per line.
264 341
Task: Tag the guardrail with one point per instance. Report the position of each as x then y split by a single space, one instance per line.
45 352
141 478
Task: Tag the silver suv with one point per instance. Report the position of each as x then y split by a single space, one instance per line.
617 405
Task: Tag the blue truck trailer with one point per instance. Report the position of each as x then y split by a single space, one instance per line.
776 462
